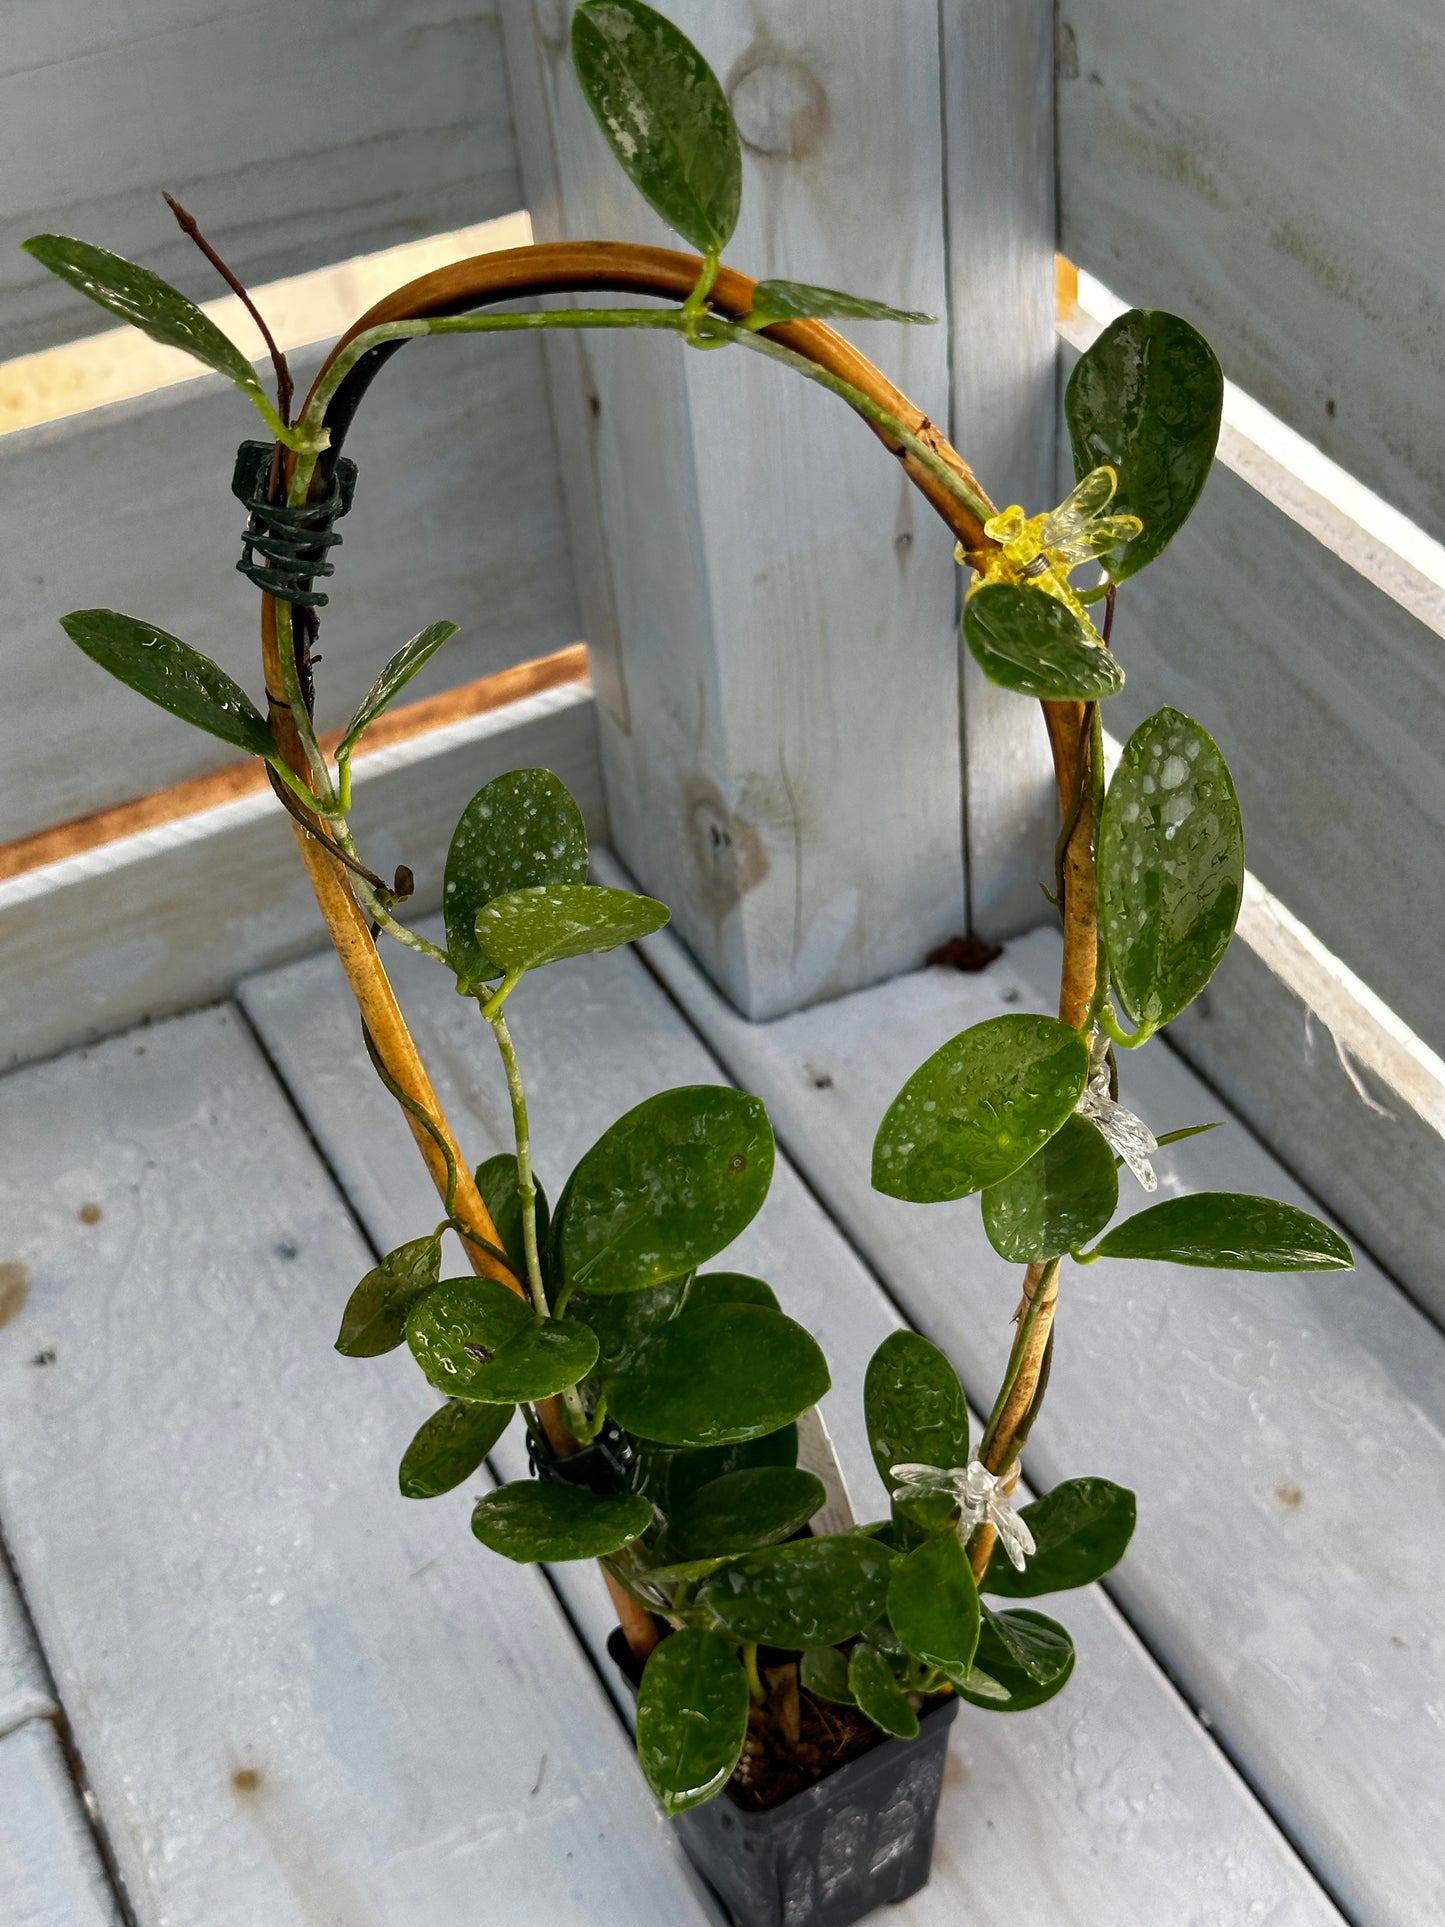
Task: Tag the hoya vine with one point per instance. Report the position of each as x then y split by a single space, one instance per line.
663 1402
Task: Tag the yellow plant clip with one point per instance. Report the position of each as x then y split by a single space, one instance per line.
1042 549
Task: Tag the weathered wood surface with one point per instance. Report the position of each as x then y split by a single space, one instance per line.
298 136
299 1698
774 614
457 515
171 917
1286 1435
1142 1817
50 1871
1271 172
24 1689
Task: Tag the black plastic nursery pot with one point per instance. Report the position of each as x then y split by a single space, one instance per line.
860 1838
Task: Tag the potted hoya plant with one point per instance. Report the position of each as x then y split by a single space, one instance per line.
791 1664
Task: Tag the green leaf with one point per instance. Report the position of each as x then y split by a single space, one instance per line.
670 1477
497 1182
1225 1231
916 1413
1171 867
475 1338
664 115
1146 400
1030 1656
626 1322
979 1108
933 1604
810 1592
1026 640
375 1317
538 1519
823 1672
1080 1530
168 672
720 1373
982 1689
519 831
778 301
731 1288
877 1693
450 1447
666 1188
1063 1196
134 294
550 921
742 1511
397 674
692 1718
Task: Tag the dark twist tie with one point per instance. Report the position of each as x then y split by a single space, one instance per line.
292 541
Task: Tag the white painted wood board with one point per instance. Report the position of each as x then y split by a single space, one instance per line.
771 604
997 78
129 507
1327 695
1143 1818
199 1494
298 136
1286 1435
50 1872
24 1689
170 917
1270 172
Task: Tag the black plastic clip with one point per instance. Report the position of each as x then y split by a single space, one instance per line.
293 541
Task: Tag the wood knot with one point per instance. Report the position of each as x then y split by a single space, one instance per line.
778 102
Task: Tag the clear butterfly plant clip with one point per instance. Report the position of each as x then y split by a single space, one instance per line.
1127 1136
1042 549
979 1496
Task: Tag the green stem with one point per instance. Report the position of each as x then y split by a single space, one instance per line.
526 1185
757 1692
1109 1024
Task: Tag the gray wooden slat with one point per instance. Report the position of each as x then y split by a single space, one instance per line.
1327 696
50 1872
298 1697
998 131
24 1689
773 613
170 918
130 508
1111 1805
1270 172
1286 1435
298 136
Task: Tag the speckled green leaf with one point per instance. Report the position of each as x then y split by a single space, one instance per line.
716 1374
538 1519
877 1693
1027 640
775 301
474 1338
810 1592
664 114
550 921
519 831
1225 1231
742 1511
979 1108
411 657
1080 1529
375 1317
1146 400
1063 1196
169 673
134 294
1171 867
497 1182
823 1672
692 1718
1030 1656
916 1413
933 1604
666 1188
450 1447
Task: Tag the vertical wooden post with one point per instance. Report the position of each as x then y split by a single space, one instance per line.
773 612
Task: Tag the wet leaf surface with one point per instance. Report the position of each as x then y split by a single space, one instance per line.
169 673
476 1339
548 922
692 1718
933 1604
811 1592
1081 1530
1227 1231
520 831
1063 1196
536 1519
375 1317
1027 640
450 1447
718 1374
